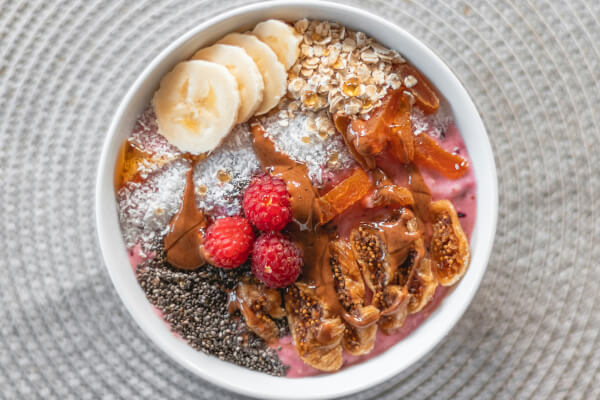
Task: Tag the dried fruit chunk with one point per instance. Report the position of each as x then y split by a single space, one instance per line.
350 289
342 122
388 127
389 194
400 135
419 87
422 287
429 154
344 195
405 276
390 324
381 249
316 331
257 304
449 247
422 284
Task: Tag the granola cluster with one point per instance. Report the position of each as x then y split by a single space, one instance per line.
340 70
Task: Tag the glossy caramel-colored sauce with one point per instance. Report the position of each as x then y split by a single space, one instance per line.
310 236
183 242
223 176
130 161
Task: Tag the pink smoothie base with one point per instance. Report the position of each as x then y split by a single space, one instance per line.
460 192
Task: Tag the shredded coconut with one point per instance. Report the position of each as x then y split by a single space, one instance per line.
146 138
234 160
300 140
145 209
433 124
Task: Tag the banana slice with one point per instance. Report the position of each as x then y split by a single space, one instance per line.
196 105
272 71
281 38
246 73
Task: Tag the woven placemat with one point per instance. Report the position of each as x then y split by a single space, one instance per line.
533 69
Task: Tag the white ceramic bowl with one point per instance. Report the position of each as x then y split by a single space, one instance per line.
400 356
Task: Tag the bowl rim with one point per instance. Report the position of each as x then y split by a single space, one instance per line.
365 374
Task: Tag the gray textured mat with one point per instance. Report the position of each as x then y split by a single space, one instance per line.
533 68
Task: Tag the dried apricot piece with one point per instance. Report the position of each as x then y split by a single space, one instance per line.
344 195
449 249
342 123
420 88
400 135
429 154
388 126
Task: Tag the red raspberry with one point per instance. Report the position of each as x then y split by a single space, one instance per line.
276 261
267 203
228 241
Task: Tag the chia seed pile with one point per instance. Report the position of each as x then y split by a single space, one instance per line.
194 303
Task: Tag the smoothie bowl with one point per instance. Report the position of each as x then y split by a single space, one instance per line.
296 200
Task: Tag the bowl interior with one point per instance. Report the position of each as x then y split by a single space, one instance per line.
368 373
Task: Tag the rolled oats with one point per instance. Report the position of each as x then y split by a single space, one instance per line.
345 71
394 81
307 51
369 56
348 45
352 106
301 25
295 87
410 81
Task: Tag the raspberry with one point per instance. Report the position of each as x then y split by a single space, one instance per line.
276 260
228 241
267 203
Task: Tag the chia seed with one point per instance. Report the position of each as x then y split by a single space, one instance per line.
194 303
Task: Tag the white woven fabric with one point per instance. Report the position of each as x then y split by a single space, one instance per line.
533 69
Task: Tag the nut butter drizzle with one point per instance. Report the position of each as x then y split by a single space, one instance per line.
183 242
313 240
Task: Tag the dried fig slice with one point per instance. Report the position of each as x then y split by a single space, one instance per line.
390 324
350 289
422 287
257 303
405 275
381 249
316 330
370 251
449 247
